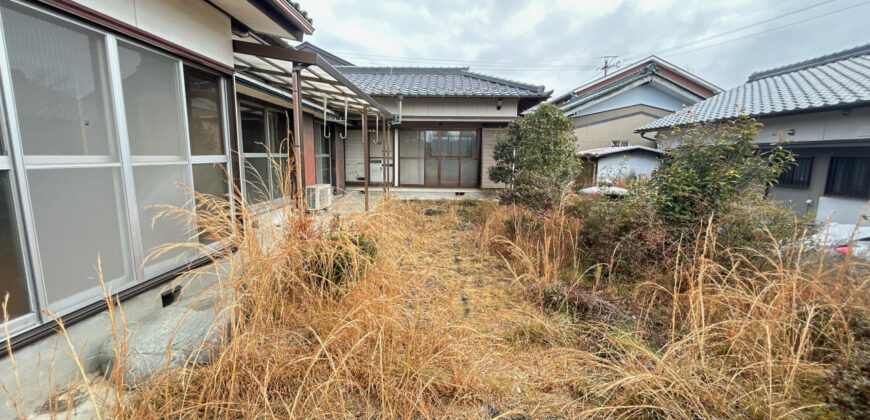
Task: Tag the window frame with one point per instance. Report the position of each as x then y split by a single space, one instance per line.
268 110
792 183
478 136
18 164
619 143
829 182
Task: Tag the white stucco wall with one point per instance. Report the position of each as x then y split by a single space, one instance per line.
625 166
192 24
640 95
843 210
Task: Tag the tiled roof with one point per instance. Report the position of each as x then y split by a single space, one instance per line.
833 80
605 151
436 81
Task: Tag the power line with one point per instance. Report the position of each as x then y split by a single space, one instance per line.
738 29
772 29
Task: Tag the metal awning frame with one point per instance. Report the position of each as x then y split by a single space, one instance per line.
318 79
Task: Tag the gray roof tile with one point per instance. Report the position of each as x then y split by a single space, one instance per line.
436 81
832 80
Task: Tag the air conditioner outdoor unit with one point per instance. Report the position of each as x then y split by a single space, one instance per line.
319 196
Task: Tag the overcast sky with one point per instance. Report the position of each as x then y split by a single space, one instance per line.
559 43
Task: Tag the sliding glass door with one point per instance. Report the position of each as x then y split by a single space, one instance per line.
439 158
265 150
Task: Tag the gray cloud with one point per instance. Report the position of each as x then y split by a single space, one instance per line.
554 43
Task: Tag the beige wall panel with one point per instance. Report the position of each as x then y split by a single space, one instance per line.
192 24
488 143
601 134
123 10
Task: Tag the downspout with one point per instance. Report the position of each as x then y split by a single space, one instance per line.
643 135
399 97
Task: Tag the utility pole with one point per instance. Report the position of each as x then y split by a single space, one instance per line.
609 63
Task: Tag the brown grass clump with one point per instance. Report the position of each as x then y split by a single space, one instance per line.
468 309
724 334
328 323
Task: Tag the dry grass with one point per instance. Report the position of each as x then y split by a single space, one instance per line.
482 311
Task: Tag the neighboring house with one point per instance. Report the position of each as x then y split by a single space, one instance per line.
328 56
609 164
445 125
822 107
607 110
106 107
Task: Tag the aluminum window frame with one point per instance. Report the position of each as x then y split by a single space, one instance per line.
18 164
268 109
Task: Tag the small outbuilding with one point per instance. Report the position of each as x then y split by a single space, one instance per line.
609 164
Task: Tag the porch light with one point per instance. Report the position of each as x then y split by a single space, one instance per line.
498 104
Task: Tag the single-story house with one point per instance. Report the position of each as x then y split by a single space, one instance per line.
445 124
106 106
608 109
609 164
821 106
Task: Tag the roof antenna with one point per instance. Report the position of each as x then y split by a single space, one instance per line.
325 135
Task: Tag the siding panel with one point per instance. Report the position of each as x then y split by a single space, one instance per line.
487 161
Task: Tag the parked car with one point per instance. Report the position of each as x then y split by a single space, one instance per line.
841 239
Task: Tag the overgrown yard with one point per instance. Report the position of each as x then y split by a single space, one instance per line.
475 310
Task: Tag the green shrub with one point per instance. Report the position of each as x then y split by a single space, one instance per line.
712 166
535 157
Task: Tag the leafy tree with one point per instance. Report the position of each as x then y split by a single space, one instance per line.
535 157
712 166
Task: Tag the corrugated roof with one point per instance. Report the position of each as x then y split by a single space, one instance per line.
605 151
436 81
328 56
833 80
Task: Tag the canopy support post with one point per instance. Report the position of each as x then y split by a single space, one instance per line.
297 137
366 164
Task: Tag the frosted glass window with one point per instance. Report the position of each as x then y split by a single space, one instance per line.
432 144
449 172
157 186
204 112
468 173
12 277
431 172
152 102
411 171
450 144
257 179
411 144
78 216
469 144
59 80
